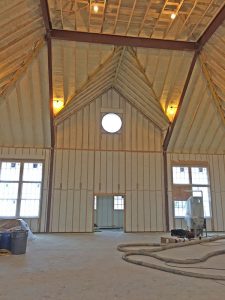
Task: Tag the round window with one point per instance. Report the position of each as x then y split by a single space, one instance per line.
111 122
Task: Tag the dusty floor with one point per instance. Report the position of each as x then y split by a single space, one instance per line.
88 267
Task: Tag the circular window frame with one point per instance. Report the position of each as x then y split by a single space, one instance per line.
106 130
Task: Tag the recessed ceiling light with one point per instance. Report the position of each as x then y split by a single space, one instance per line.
95 8
173 16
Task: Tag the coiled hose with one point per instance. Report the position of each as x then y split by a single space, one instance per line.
161 247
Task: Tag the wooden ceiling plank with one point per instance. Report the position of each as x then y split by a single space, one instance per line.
160 15
117 15
103 16
145 16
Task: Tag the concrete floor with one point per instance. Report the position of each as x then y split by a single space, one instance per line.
88 267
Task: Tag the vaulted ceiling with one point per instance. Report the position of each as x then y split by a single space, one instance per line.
149 19
89 53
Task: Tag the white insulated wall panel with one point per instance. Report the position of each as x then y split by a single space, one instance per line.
83 130
90 162
81 174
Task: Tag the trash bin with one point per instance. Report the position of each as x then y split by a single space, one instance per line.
5 240
19 241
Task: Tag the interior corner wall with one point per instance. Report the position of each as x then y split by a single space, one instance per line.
36 224
216 165
90 162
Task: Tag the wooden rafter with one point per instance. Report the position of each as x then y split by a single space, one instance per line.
145 16
131 16
117 15
156 23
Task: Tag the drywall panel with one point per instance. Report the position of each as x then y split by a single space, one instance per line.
216 164
36 224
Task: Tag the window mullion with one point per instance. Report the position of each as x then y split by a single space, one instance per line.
19 191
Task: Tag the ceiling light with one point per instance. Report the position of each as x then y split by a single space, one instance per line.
58 104
95 8
173 16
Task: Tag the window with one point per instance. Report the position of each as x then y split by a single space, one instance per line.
20 188
179 208
180 175
118 203
95 202
111 122
192 179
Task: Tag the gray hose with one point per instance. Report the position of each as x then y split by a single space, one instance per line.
161 247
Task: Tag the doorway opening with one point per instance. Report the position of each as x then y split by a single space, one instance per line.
109 212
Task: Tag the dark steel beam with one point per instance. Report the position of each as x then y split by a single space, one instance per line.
165 171
46 15
219 19
119 40
52 128
48 27
171 128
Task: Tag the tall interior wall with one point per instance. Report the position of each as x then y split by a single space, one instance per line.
25 125
90 162
216 165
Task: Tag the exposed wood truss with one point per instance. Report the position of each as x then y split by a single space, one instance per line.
141 18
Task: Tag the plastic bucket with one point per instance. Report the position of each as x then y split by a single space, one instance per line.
5 240
19 242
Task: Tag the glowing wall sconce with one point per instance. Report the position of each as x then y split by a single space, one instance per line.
58 104
171 111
